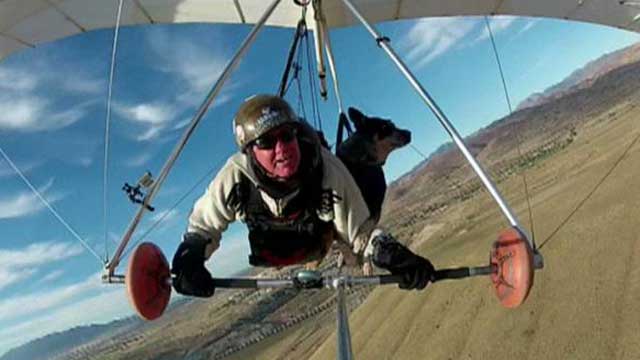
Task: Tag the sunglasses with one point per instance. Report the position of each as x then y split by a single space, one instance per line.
269 141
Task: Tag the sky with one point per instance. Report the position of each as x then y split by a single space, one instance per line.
53 106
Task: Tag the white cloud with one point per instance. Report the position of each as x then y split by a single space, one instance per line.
27 78
26 108
32 113
17 80
79 304
527 26
138 160
13 307
65 118
200 69
82 84
39 254
497 23
162 220
179 125
197 66
12 276
53 275
6 170
150 134
21 113
114 237
165 216
21 264
192 69
153 117
84 160
232 254
429 38
26 203
149 114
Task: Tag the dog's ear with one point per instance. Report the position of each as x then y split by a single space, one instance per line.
357 118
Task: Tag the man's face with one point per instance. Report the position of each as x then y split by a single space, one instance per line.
278 152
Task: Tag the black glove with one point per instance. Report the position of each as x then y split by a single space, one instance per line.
191 277
391 255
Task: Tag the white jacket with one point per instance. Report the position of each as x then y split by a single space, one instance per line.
211 216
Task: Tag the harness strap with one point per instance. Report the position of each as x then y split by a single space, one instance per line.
279 241
343 123
300 30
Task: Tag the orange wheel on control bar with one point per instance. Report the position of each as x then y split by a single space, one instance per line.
512 258
147 281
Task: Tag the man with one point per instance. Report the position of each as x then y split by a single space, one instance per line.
296 199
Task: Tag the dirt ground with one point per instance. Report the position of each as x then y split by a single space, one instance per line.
584 304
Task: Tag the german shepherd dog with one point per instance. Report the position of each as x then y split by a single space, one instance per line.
366 151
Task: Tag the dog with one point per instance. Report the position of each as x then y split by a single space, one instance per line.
366 151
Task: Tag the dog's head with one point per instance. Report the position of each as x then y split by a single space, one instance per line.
383 133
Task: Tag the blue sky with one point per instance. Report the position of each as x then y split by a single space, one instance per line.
53 109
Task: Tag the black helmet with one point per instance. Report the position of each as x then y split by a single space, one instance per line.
259 114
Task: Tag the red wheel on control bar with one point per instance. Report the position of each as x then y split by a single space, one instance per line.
147 283
512 258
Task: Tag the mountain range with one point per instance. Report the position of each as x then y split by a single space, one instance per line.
585 76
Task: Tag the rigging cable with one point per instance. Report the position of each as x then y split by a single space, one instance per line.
418 151
105 170
595 188
296 70
50 207
301 109
412 146
166 213
506 95
284 83
312 88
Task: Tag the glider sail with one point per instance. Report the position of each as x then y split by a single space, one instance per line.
28 23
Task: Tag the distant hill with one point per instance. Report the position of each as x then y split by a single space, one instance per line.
580 79
585 76
58 343
445 176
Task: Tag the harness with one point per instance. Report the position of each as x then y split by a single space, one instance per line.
294 237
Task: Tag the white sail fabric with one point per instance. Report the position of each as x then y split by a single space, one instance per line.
28 23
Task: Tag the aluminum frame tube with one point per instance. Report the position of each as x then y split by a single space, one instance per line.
344 335
331 61
453 133
215 90
318 37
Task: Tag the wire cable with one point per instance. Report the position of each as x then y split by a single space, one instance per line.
590 194
518 139
180 200
418 151
301 109
50 207
107 122
312 88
